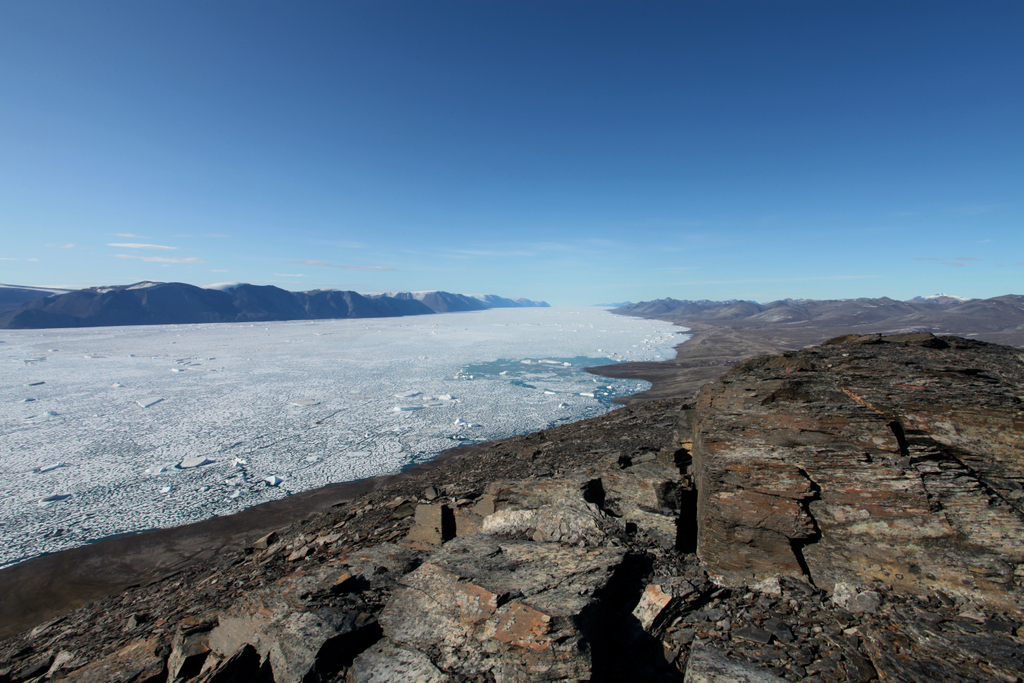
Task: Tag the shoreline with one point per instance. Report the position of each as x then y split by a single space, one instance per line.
42 588
37 590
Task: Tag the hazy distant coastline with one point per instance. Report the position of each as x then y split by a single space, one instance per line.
176 303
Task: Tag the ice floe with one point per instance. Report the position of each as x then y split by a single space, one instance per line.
147 402
305 402
406 408
54 498
273 480
194 461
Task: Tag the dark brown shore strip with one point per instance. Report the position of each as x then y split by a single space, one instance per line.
706 356
39 589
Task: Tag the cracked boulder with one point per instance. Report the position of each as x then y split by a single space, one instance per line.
514 610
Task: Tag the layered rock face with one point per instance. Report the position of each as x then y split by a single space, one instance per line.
849 512
895 459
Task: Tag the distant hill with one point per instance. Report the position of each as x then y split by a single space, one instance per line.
999 319
13 296
162 303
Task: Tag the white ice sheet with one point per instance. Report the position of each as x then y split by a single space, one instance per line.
307 402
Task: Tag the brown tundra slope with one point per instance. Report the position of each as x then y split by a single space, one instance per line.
848 512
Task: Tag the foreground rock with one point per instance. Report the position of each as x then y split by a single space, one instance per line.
850 512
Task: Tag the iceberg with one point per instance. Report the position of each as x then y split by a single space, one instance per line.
197 461
54 498
273 480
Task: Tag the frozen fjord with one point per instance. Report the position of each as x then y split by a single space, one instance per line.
119 429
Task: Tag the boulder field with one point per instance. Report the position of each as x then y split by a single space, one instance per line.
852 511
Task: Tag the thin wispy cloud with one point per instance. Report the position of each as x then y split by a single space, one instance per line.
69 245
918 258
7 258
160 259
951 263
780 279
129 235
965 258
289 275
218 271
977 209
325 264
214 234
138 245
342 244
485 252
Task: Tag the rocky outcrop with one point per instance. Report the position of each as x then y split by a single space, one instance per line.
896 459
849 512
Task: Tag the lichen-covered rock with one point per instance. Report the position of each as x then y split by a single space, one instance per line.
143 661
385 662
707 665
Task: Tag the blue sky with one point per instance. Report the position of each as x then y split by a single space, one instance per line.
577 152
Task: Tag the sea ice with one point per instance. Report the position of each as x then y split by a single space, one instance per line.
305 402
273 481
229 408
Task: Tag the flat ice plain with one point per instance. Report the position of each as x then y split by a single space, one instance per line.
118 429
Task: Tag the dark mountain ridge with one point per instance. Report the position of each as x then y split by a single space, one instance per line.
1002 314
13 296
164 303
